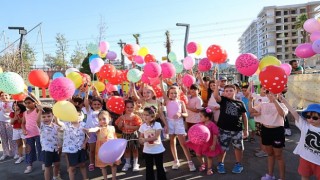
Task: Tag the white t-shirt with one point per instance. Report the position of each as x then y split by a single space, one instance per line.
257 100
92 118
5 109
269 114
73 137
212 102
308 147
156 146
49 137
196 103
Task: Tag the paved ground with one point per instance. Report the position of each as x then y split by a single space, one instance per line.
254 167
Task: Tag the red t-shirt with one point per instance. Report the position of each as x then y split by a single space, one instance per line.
16 124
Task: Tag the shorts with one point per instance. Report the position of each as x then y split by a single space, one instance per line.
50 157
133 142
273 136
252 124
176 126
17 134
92 138
76 158
307 168
226 137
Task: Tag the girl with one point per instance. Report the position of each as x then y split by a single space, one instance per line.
153 148
212 103
129 123
176 110
210 149
31 131
16 120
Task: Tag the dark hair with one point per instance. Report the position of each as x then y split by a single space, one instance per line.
77 99
207 112
21 107
29 98
206 78
115 93
194 87
292 61
230 86
97 99
245 86
153 112
79 110
209 89
129 101
172 87
46 110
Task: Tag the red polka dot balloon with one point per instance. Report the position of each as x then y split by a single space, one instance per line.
216 54
107 71
116 104
273 78
204 65
116 79
149 58
247 64
157 91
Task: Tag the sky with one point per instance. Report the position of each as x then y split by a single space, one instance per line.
211 22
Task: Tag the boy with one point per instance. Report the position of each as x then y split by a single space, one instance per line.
245 99
194 106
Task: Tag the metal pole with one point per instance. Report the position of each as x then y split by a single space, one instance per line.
186 36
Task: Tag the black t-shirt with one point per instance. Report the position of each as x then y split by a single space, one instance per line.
230 114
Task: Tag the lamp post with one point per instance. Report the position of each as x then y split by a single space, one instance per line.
186 36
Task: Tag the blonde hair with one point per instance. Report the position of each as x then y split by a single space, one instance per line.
104 113
147 87
173 87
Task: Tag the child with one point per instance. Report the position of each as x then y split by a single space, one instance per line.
194 105
210 149
153 148
16 121
251 123
74 145
212 103
307 149
129 123
230 126
49 142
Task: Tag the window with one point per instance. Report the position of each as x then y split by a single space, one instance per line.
278 13
294 33
286 49
293 12
278 20
285 27
278 28
293 26
286 56
279 42
293 19
285 20
294 41
279 49
285 13
278 35
286 41
279 57
286 34
302 10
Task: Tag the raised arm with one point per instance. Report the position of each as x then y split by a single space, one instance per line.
134 92
164 94
290 108
86 101
216 91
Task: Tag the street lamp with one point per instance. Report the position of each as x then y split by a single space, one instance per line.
186 36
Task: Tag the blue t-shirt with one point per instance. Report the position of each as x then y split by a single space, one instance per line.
246 103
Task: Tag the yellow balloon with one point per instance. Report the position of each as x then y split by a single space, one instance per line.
199 50
102 55
65 111
257 72
125 86
99 85
267 61
1 70
76 78
143 51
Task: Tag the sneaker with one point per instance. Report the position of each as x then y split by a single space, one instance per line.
237 168
165 169
126 167
3 157
16 156
202 167
268 177
136 167
261 154
57 178
176 165
287 132
246 139
43 167
220 168
28 170
20 159
191 166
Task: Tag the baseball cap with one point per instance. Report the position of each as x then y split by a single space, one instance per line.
223 78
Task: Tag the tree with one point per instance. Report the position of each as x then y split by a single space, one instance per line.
50 61
137 36
168 43
77 56
62 51
299 26
85 67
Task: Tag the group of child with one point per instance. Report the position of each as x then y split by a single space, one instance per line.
147 119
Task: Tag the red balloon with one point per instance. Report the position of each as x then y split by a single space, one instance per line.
216 54
115 104
124 75
128 49
273 78
157 91
183 98
19 97
39 78
149 58
116 79
107 71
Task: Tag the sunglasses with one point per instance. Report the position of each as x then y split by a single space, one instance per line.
313 117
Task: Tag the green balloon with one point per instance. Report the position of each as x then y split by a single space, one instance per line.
11 83
178 66
134 75
93 48
172 56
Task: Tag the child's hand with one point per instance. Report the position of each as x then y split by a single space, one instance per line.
141 140
218 83
245 133
216 108
24 132
83 146
165 129
177 116
39 107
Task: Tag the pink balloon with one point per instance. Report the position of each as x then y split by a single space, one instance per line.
287 68
168 70
311 25
145 79
154 81
204 65
96 64
188 80
103 47
112 150
304 50
111 55
247 64
188 62
315 36
138 59
110 87
192 47
152 70
316 46
199 134
61 88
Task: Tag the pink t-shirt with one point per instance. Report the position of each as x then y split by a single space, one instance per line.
173 107
31 123
269 114
196 103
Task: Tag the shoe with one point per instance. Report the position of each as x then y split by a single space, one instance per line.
237 168
20 159
165 169
202 167
220 168
43 167
209 172
3 157
268 177
246 139
191 166
287 132
91 167
261 154
28 170
16 156
126 167
57 178
176 165
136 167
252 140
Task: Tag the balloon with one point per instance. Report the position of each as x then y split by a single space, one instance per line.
216 54
128 49
267 61
93 56
39 78
273 78
152 70
107 71
157 91
111 87
247 64
183 98
304 50
199 134
103 47
149 58
134 75
138 59
102 55
57 75
154 81
178 66
61 89
316 46
93 48
19 97
76 78
145 79
188 80
111 55
199 50
143 51
96 64
86 79
1 70
192 47
71 70
112 150
255 79
136 48
116 80
99 85
172 56
116 104
315 36
11 83
65 111
188 62
123 75
311 25
168 70
204 65
287 68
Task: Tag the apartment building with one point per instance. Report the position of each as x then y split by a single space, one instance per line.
248 42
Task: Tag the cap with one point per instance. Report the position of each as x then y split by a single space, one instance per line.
311 108
223 78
